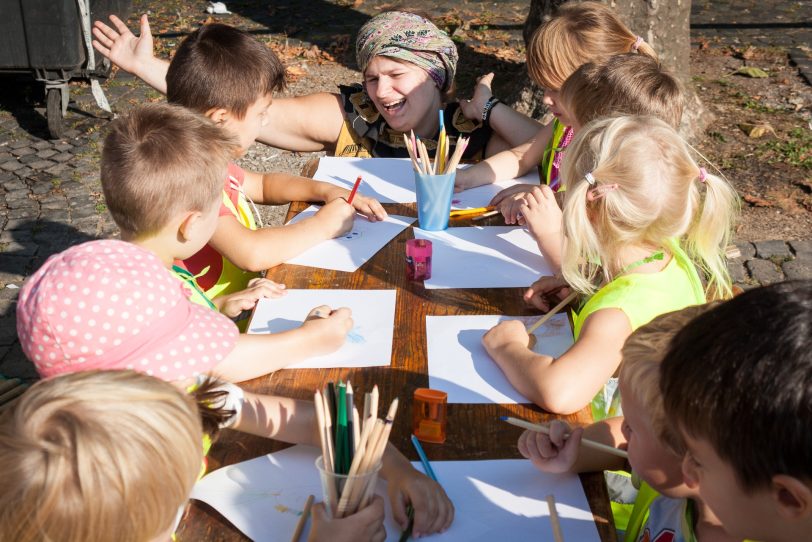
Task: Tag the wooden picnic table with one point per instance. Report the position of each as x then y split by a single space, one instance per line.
474 430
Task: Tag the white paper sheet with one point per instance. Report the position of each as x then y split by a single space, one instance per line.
482 195
391 180
483 257
355 248
369 342
493 500
460 366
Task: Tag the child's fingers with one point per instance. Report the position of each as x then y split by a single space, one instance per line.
399 513
546 448
322 311
121 27
558 432
522 444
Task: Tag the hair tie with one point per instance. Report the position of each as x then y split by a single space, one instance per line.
600 191
703 175
590 179
637 43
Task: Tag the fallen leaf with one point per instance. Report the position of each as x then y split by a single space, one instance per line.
751 71
757 130
748 53
295 71
756 201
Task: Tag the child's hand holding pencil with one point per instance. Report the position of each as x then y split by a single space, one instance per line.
555 452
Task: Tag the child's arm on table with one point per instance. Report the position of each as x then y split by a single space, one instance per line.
508 164
558 453
131 54
294 421
544 221
282 188
567 384
258 250
232 305
322 332
514 127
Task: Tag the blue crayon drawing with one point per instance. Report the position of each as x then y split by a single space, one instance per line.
355 336
352 235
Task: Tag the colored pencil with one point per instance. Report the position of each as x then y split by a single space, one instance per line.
462 144
354 190
297 534
546 430
342 443
564 302
424 459
467 213
350 423
483 216
554 521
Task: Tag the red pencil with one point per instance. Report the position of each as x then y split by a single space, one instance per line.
354 190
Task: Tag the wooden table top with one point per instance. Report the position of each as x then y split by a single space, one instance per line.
474 431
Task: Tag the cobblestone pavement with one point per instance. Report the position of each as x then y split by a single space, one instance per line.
50 192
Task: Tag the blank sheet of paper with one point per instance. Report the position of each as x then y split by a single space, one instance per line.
369 342
460 366
481 196
353 249
483 257
493 499
391 180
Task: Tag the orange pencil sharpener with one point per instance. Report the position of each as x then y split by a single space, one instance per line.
429 415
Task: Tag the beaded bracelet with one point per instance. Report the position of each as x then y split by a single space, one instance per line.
486 111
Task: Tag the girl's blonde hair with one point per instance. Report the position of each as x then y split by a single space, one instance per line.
97 456
650 192
578 33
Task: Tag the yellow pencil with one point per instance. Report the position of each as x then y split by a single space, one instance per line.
469 212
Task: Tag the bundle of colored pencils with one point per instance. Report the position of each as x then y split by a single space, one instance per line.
355 445
441 165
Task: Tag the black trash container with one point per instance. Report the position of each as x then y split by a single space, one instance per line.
46 39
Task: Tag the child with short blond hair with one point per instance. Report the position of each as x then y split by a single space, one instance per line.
664 505
85 459
639 213
737 388
161 173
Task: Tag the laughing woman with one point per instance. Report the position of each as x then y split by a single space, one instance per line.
408 67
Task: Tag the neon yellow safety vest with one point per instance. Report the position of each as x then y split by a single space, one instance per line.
642 297
197 296
550 152
232 278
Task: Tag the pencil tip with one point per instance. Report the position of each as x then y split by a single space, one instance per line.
503 418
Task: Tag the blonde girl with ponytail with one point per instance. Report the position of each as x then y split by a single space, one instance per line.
579 33
640 217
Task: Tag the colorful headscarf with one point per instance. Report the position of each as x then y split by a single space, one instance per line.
409 37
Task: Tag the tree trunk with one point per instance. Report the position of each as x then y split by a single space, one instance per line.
664 24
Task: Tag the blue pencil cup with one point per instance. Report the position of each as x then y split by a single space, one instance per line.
434 194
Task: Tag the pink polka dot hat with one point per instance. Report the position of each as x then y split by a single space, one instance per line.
112 305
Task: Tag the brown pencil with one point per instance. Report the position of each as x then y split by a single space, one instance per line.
297 534
564 302
554 520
